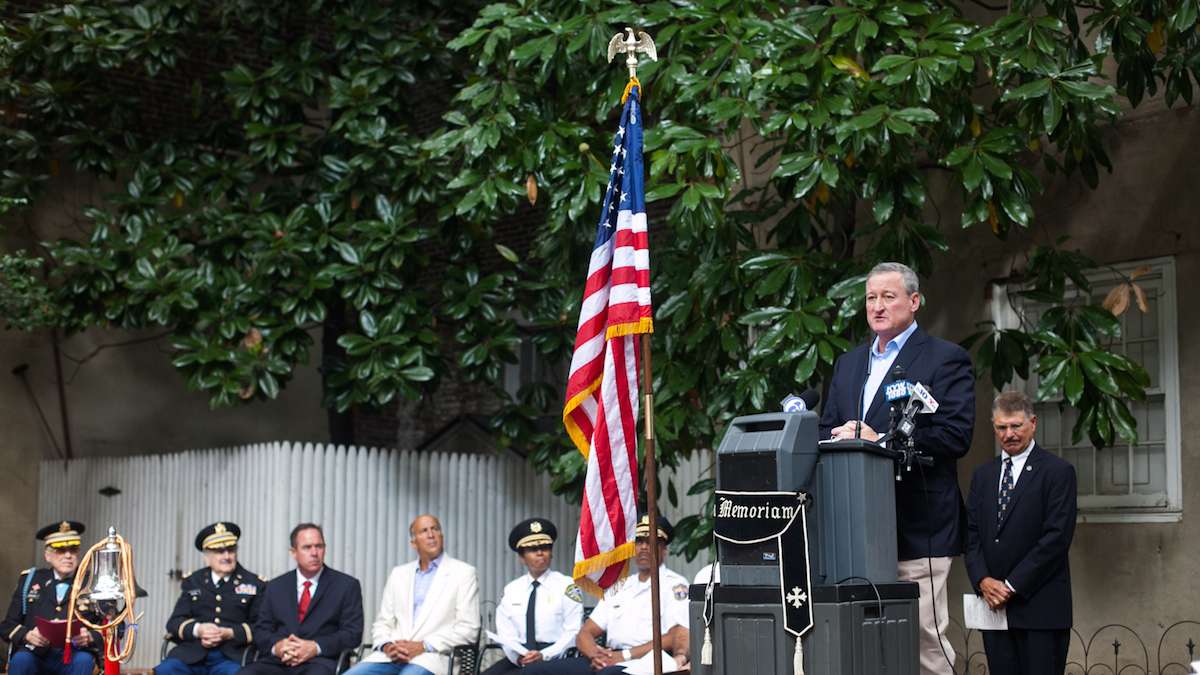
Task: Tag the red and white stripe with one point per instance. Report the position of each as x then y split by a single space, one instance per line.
602 399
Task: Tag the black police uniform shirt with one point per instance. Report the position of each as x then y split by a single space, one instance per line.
37 597
232 604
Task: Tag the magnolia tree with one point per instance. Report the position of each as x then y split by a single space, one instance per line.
790 147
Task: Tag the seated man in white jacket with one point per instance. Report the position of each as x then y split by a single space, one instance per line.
541 611
429 606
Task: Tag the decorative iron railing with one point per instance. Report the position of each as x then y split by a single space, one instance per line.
1112 649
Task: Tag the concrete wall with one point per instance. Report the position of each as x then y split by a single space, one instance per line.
1142 575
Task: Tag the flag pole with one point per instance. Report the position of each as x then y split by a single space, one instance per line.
652 500
631 46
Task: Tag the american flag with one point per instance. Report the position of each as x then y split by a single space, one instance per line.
602 388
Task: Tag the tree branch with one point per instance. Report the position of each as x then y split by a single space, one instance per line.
994 8
92 354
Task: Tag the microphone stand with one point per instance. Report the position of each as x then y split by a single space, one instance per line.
899 439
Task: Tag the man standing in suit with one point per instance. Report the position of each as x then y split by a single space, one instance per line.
214 617
429 606
1021 518
540 610
42 593
929 509
308 616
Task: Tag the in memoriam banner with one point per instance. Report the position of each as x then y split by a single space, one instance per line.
755 517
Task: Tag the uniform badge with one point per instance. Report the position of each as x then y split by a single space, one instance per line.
574 592
681 592
195 593
35 591
246 589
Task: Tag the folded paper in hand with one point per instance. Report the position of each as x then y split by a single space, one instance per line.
978 616
56 631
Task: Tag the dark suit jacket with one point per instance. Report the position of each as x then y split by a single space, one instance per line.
1029 547
930 520
237 599
35 598
334 619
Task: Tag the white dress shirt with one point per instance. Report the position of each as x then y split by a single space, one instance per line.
312 590
624 612
1018 464
557 618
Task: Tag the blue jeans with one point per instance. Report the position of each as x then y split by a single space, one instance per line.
25 662
215 663
387 669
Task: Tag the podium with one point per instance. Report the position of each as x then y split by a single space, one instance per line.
852 515
864 622
855 497
853 631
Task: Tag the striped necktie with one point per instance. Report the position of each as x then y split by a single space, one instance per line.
1006 486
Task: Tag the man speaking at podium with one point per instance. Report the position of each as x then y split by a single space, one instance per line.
929 508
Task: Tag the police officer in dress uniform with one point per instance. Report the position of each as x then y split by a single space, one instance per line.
541 610
42 593
214 615
624 615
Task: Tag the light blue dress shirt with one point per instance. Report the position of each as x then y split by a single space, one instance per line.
880 363
422 580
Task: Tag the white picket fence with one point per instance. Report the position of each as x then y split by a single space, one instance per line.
363 498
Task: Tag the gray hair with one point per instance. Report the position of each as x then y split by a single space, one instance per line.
1012 402
911 283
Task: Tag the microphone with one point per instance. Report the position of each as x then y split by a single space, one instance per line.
897 394
861 393
806 401
928 403
899 389
921 402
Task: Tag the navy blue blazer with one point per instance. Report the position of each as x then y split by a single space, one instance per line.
1029 547
334 619
930 518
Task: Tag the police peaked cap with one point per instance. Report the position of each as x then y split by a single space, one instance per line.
531 533
665 530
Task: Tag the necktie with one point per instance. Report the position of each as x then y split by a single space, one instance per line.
1006 486
531 617
305 598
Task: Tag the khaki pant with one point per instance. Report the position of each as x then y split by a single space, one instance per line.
933 661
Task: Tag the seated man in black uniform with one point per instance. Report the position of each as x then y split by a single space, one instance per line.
42 593
214 615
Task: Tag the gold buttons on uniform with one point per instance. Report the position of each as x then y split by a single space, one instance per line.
217 620
218 597
218 610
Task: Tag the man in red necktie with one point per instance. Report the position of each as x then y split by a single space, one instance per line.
310 615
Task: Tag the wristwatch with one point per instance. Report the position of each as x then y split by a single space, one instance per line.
626 654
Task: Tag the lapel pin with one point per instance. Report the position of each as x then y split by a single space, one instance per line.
1029 468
